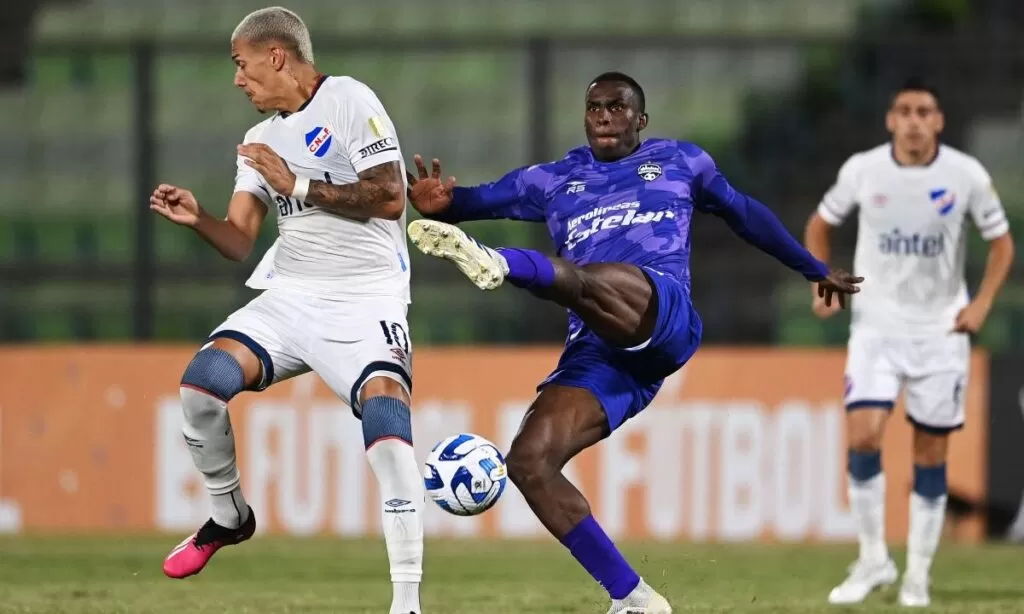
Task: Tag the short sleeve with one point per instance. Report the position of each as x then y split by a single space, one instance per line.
841 198
369 135
246 177
986 209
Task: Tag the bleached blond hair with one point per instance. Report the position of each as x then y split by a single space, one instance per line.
276 24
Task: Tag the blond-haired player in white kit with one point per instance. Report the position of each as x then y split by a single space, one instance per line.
335 285
911 321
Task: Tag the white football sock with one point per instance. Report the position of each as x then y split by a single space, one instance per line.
927 517
867 505
402 500
212 444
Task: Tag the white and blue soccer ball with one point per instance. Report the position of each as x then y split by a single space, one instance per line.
465 474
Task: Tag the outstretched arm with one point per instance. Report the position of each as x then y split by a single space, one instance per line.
516 196
753 221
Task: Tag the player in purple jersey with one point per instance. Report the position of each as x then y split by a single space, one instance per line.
619 213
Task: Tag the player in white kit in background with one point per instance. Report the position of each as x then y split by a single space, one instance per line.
335 285
911 321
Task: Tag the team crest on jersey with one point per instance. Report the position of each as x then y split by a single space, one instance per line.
318 141
943 199
649 171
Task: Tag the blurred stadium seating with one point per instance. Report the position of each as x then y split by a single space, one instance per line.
765 89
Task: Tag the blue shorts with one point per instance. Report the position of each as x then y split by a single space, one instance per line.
626 380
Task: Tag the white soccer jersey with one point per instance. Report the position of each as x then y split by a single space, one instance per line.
341 131
911 243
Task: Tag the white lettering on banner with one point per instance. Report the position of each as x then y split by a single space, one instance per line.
664 459
699 470
836 519
10 509
792 449
351 484
515 518
740 501
620 469
434 420
273 450
181 500
288 452
698 421
772 471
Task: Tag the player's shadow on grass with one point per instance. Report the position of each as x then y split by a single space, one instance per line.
976 595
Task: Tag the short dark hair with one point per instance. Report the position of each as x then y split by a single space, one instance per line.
618 77
918 84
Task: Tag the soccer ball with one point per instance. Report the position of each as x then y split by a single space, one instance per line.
465 474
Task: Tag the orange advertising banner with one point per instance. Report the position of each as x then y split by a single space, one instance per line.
741 445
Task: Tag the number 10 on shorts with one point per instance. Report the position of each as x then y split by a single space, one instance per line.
395 335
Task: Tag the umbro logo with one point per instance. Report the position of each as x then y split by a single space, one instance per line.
398 506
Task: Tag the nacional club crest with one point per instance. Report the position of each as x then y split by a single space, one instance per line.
318 141
943 199
649 171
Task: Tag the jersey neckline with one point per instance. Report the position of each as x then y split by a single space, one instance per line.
320 78
892 156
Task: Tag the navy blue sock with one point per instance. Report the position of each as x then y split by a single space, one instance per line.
594 550
864 465
930 482
528 268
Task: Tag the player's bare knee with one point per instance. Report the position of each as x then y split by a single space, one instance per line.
865 429
529 463
252 368
384 408
383 387
930 447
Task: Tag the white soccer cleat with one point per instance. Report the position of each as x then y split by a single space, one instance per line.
865 577
643 600
483 266
914 591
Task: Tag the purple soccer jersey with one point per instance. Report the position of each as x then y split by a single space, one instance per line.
636 210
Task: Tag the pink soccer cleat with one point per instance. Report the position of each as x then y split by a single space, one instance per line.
190 556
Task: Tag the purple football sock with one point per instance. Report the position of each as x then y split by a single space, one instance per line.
595 551
528 268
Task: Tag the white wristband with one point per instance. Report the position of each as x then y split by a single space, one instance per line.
300 189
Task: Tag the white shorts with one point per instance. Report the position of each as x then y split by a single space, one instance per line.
932 371
346 343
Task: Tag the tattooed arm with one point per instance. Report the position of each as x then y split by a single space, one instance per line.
378 193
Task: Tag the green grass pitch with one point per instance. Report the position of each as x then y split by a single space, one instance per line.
121 574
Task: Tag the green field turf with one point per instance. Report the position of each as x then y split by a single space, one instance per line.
111 575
